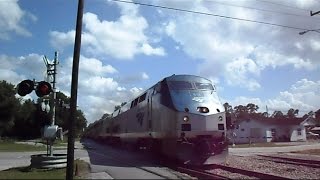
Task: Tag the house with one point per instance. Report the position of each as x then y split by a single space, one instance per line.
258 130
309 123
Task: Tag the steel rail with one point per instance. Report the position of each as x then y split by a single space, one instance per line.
293 161
244 172
200 173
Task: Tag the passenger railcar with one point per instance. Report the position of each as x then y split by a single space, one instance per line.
181 117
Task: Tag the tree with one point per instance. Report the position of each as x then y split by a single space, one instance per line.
26 126
241 111
292 113
277 114
81 122
227 107
229 114
8 106
252 108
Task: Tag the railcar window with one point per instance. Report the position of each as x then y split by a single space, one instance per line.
204 86
180 85
143 97
135 102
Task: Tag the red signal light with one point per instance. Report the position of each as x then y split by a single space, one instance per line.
25 87
43 88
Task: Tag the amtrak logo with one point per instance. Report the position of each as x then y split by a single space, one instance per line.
198 99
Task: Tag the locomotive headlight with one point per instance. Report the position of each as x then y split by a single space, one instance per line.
203 109
220 118
185 118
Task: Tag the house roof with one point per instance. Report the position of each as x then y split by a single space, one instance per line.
309 121
274 121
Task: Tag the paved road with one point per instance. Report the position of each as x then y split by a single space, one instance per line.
18 159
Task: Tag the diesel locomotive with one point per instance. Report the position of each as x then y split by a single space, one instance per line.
181 117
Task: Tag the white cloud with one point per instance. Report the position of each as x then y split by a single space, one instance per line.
315 45
121 39
11 19
60 40
254 47
266 58
98 91
95 67
145 75
15 69
303 95
148 50
133 78
238 71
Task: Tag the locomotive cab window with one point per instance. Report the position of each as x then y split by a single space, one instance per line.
180 85
204 86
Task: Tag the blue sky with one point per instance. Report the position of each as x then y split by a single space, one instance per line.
126 48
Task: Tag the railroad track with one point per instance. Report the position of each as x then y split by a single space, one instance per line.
293 161
202 172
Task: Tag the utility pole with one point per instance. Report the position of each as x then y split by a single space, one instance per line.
74 92
314 13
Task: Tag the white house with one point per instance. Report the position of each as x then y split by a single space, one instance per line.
310 122
268 130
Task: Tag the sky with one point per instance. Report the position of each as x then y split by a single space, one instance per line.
126 48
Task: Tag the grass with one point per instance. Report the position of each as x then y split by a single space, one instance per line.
310 151
10 146
82 167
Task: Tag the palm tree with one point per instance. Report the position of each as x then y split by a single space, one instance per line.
277 114
292 113
252 108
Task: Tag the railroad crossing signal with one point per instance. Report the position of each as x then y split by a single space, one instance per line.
43 88
27 86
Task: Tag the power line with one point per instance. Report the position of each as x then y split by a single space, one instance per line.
259 9
210 14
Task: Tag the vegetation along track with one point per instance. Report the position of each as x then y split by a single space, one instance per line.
293 161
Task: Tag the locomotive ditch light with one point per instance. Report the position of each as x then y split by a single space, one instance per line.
185 118
43 88
25 87
220 118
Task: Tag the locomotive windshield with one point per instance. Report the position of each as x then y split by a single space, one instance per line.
184 85
204 86
180 85
193 94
